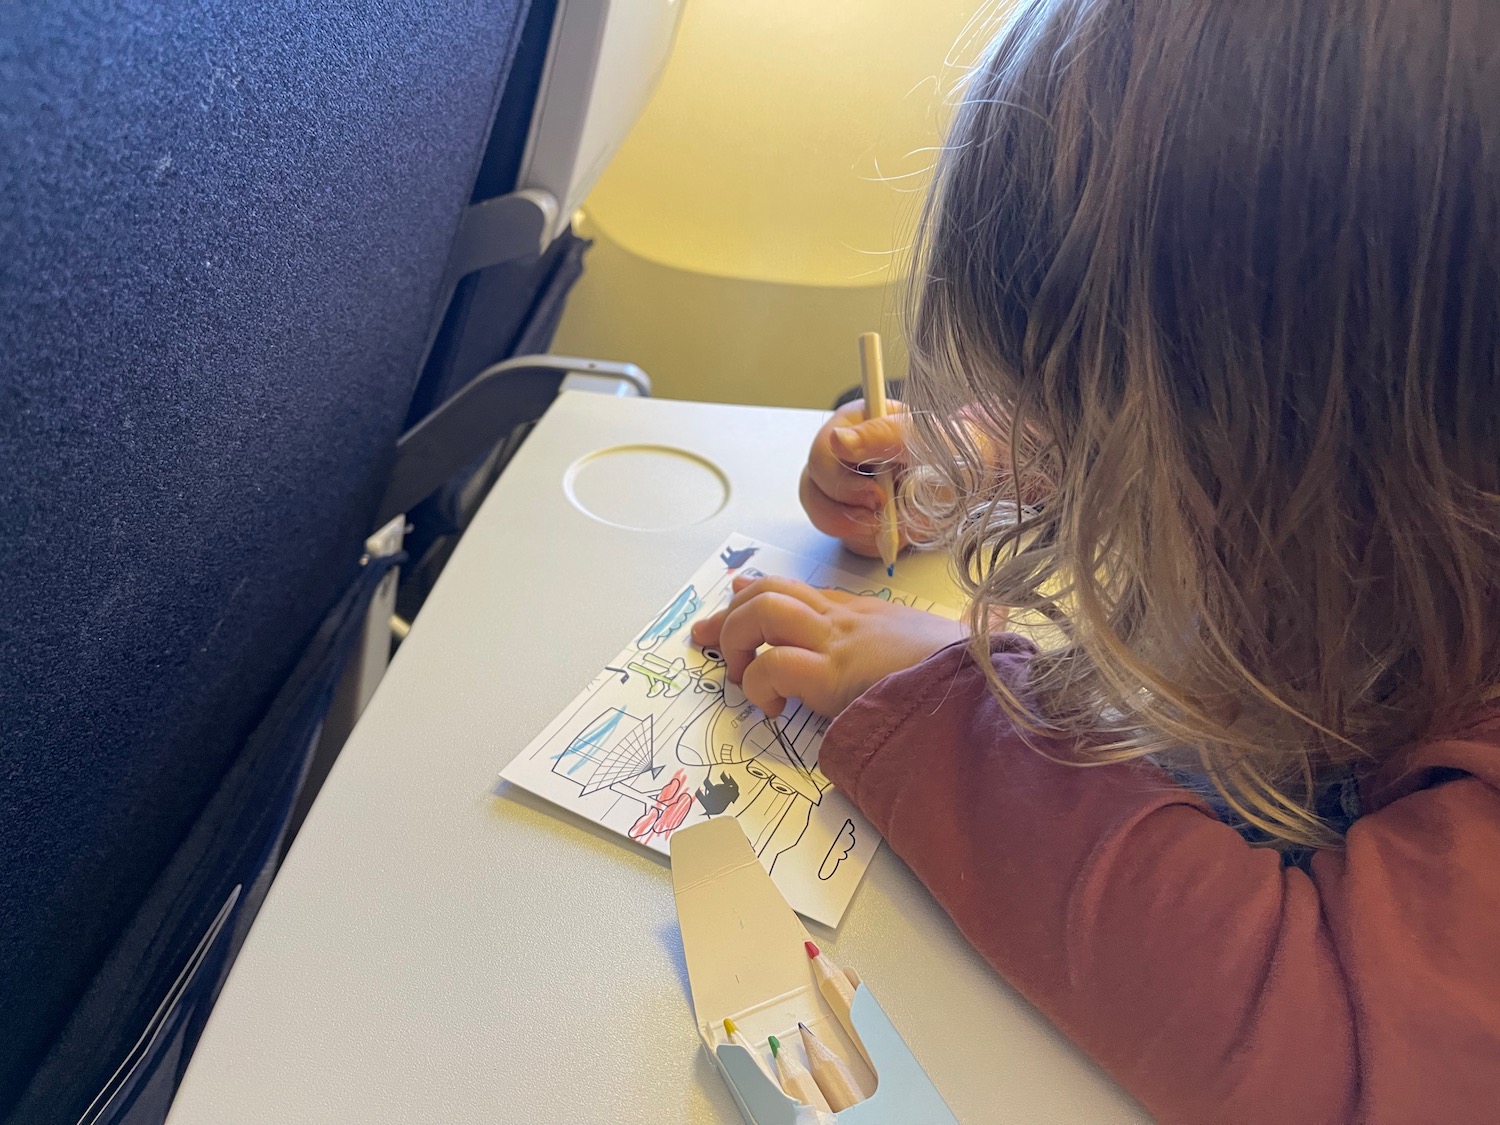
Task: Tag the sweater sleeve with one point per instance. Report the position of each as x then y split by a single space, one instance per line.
1214 984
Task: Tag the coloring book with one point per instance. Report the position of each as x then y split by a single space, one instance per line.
660 739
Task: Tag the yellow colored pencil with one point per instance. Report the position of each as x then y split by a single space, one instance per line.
737 1037
872 376
830 1072
797 1083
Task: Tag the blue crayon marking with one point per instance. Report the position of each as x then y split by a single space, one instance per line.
671 619
590 740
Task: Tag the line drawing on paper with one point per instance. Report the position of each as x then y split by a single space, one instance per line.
734 558
617 746
665 812
838 851
775 803
673 677
715 797
671 619
660 739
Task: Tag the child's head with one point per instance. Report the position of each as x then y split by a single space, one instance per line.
1226 275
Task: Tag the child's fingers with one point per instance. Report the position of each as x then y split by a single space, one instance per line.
875 443
855 526
769 618
858 529
705 633
838 479
779 674
746 587
850 447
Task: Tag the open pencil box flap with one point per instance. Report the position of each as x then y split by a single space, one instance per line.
746 960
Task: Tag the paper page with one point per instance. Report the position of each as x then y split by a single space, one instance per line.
661 739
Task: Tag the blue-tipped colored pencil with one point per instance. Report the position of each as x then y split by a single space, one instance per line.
872 375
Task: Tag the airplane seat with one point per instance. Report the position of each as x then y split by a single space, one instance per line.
230 233
556 128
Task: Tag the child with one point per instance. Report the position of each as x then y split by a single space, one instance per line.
1206 367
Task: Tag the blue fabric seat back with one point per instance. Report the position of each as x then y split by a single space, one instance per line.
224 228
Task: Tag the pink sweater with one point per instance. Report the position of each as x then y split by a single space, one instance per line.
1215 985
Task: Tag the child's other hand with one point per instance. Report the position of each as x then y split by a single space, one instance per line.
839 491
826 647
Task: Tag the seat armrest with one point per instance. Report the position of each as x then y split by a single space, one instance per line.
467 426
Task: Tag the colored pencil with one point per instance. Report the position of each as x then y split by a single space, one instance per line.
872 375
796 1082
737 1037
830 1072
838 989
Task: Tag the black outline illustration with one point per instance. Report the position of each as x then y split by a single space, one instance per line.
664 707
830 865
616 747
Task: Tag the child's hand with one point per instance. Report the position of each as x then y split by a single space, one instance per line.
827 646
839 491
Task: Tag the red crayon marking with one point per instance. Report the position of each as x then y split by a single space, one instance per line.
673 804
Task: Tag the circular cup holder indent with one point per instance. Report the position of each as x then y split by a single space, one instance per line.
646 487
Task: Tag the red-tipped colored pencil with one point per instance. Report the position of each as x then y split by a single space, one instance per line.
834 984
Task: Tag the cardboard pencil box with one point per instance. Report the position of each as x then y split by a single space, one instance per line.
746 960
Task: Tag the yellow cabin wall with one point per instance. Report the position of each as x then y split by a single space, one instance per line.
752 224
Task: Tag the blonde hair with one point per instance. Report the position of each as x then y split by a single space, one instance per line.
1223 279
